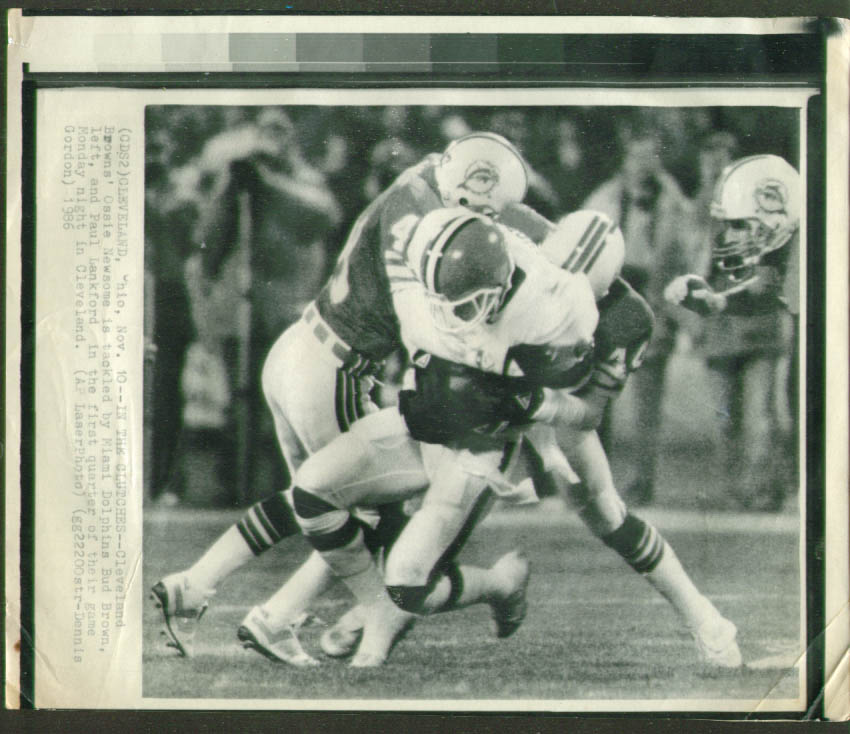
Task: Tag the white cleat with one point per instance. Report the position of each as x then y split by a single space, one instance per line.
386 625
717 645
182 607
508 612
342 639
281 647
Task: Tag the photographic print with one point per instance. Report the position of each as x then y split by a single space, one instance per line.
493 370
271 207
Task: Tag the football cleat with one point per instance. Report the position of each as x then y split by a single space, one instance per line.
385 628
717 645
342 639
508 612
280 647
182 607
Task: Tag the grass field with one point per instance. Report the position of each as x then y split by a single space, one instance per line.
595 631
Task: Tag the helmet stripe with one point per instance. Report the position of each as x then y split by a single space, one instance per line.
587 268
435 252
595 238
576 253
496 138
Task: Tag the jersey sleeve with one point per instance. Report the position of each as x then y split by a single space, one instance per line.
410 199
622 337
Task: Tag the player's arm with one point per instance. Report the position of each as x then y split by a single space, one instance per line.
622 337
703 296
694 293
580 412
457 405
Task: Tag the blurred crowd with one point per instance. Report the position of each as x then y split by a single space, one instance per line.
247 208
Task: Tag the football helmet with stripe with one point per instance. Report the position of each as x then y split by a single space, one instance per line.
588 242
461 258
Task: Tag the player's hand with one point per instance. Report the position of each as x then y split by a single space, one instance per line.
677 289
694 293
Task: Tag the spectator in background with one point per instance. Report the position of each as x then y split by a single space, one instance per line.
563 162
743 353
169 221
291 213
653 214
266 220
387 160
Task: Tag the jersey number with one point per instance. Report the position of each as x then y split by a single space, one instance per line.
400 231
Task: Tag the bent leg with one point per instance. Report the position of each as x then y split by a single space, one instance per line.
421 573
374 462
641 546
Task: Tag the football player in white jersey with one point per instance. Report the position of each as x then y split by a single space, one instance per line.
318 375
494 287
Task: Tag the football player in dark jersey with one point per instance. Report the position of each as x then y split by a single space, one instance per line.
318 376
755 244
755 263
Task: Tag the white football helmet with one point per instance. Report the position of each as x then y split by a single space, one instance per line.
755 210
588 242
481 171
461 258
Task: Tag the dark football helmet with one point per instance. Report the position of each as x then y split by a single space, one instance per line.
462 259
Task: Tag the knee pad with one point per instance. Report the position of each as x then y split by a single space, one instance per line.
309 505
325 526
417 599
409 598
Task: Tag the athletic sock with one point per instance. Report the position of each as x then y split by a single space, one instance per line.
353 619
268 522
456 587
462 586
672 581
264 524
338 536
358 572
221 559
648 553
